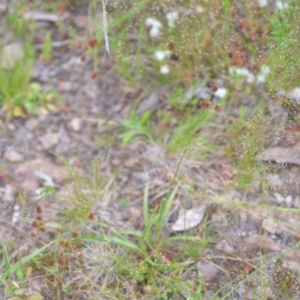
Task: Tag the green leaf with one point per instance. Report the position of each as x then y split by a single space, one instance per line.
164 211
147 234
25 260
123 242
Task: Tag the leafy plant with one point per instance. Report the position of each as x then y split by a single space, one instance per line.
19 97
244 144
284 59
136 126
46 51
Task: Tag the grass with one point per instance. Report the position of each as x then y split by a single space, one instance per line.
18 95
88 251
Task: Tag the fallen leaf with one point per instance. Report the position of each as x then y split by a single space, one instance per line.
190 218
248 269
208 270
149 103
43 16
58 173
288 221
261 242
49 140
13 156
281 155
272 226
224 246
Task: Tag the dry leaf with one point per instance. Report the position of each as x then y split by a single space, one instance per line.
42 16
208 270
259 241
272 226
225 246
190 218
281 155
288 221
58 173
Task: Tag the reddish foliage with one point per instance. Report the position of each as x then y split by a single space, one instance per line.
91 216
64 110
217 108
238 57
94 75
39 218
33 234
92 43
39 209
205 104
214 88
35 224
74 234
64 243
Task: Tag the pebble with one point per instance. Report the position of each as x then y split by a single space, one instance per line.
13 156
49 140
31 124
75 124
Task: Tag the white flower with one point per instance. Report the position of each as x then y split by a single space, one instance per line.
264 71
242 72
164 69
161 55
295 94
16 214
281 5
152 22
262 3
199 9
221 92
155 26
172 18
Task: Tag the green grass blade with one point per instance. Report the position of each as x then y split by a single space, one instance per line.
164 210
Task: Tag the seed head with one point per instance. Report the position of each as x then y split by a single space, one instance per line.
33 234
42 228
64 243
39 209
91 216
92 43
35 224
217 108
73 247
74 234
214 88
94 75
205 104
39 218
